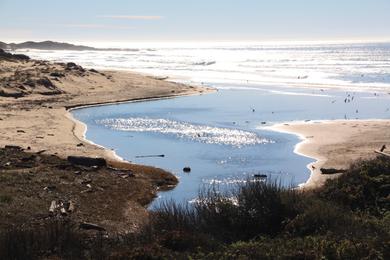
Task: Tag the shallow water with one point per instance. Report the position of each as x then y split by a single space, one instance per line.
220 135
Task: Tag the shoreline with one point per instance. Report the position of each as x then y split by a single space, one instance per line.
316 178
334 149
80 89
44 121
80 128
37 128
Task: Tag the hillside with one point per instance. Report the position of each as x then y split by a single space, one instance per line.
45 45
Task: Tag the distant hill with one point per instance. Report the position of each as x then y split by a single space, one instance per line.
3 45
45 45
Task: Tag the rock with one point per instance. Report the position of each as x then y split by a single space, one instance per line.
46 83
260 176
11 94
50 188
74 66
30 83
57 74
86 181
10 56
87 161
63 210
94 71
125 175
53 206
72 206
187 169
71 65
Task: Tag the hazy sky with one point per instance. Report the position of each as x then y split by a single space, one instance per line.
203 20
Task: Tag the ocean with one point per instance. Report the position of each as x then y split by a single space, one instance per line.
223 136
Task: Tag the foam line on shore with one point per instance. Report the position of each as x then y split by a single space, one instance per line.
298 150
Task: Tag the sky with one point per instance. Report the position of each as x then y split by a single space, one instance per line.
194 20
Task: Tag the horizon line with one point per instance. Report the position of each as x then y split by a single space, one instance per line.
222 41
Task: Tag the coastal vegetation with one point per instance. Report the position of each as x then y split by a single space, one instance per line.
347 218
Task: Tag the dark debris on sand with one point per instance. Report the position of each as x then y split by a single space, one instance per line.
35 188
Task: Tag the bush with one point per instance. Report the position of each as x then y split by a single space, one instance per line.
348 218
55 237
364 187
249 210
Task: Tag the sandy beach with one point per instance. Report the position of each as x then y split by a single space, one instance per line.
336 144
42 122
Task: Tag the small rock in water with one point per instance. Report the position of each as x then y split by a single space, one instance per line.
187 169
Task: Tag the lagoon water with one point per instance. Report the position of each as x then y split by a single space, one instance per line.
221 136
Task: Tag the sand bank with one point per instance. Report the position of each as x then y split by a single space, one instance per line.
41 122
336 144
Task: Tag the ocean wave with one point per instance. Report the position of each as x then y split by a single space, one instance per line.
184 130
339 65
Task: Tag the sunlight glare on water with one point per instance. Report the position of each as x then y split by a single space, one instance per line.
199 133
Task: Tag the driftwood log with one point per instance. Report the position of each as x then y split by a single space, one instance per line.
382 153
13 147
331 170
90 226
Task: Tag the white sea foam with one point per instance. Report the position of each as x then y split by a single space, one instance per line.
184 130
315 65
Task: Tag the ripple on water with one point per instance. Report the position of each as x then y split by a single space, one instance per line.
199 133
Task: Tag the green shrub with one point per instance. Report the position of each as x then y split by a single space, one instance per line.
364 187
249 210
